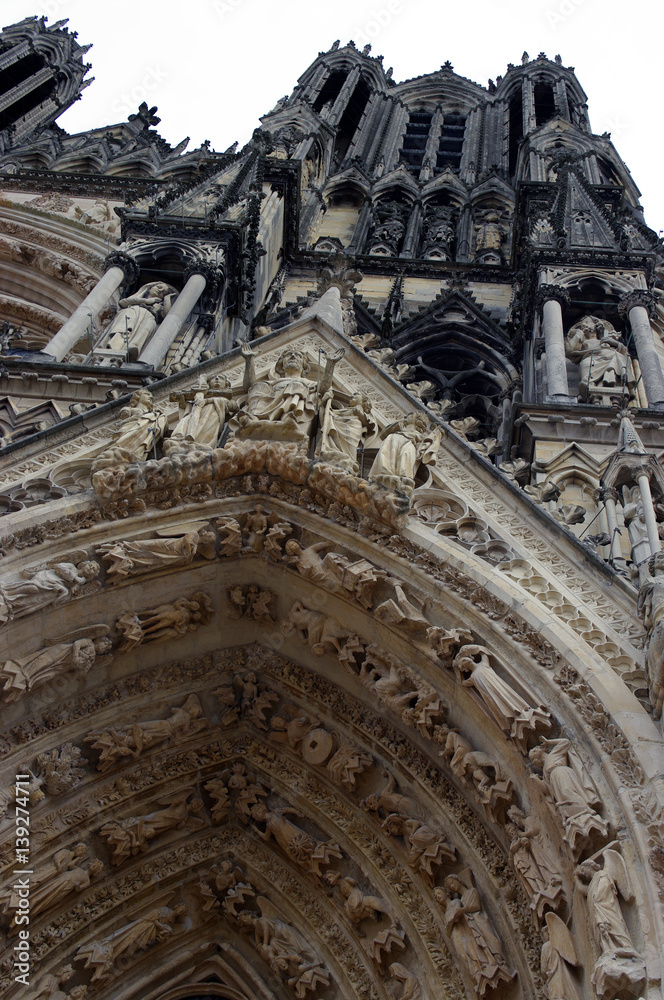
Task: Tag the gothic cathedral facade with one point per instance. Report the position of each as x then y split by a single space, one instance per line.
331 519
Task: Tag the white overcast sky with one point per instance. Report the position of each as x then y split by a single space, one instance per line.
214 66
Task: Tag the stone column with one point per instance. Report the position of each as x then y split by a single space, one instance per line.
551 299
157 347
642 476
411 239
637 305
119 267
361 230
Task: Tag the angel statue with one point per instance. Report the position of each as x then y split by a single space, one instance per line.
153 927
557 955
619 966
284 949
283 406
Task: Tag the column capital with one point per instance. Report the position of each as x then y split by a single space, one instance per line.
117 258
545 293
641 470
605 493
637 297
212 273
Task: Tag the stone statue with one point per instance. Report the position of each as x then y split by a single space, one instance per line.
438 236
335 572
297 845
557 955
45 588
225 876
148 555
255 529
167 621
358 906
138 317
131 741
389 229
318 630
476 946
284 949
155 926
230 536
402 817
99 215
247 793
72 653
61 768
49 987
344 430
62 861
619 966
142 428
651 608
509 710
282 407
131 836
571 791
490 232
406 443
203 412
251 601
634 514
411 989
494 789
52 883
537 869
602 358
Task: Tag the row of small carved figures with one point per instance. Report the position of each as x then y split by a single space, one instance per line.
401 816
255 533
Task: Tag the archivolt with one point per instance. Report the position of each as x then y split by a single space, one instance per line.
308 671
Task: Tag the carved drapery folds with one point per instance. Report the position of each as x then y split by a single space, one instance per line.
275 419
138 317
395 730
605 371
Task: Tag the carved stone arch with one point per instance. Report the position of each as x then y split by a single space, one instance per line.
288 677
266 611
399 181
